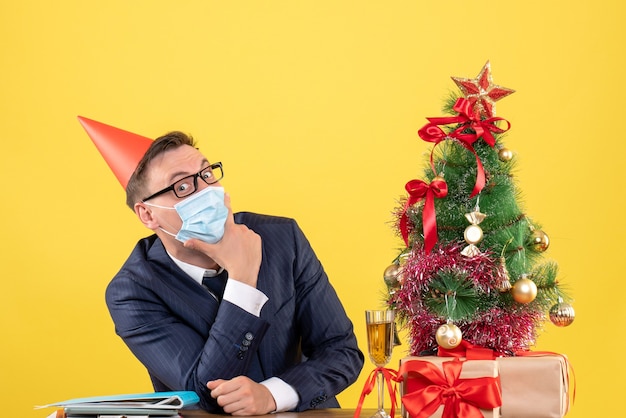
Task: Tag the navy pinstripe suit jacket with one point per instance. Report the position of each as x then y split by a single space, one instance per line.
185 338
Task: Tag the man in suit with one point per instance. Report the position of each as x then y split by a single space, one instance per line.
277 339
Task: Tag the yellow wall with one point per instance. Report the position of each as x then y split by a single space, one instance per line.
313 106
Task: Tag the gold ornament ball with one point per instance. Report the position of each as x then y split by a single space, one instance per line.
539 241
524 290
448 336
473 234
562 314
505 154
391 275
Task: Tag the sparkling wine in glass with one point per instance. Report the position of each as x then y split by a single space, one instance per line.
380 342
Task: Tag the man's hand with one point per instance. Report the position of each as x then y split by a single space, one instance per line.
242 396
239 250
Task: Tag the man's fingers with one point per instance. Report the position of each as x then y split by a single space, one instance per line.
196 244
242 396
214 384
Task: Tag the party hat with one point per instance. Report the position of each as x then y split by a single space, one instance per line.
122 150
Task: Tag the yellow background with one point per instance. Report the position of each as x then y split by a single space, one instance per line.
313 106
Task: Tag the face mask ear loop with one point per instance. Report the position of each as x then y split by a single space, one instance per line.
167 232
162 207
159 206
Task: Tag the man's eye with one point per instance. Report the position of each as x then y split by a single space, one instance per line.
207 175
183 187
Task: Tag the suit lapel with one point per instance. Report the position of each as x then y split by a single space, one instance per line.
186 290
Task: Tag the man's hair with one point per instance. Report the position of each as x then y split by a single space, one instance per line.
136 187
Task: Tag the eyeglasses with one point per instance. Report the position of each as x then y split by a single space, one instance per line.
188 185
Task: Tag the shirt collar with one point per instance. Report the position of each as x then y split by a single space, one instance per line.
195 272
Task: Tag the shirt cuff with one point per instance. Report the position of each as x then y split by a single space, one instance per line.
246 297
285 396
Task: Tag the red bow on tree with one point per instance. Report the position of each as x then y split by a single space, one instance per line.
418 190
471 129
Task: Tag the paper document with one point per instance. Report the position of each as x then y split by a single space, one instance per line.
138 404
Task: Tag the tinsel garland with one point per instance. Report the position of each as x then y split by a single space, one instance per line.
505 329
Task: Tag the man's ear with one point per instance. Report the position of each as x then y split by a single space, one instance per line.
145 215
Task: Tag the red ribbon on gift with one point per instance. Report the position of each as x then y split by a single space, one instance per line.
389 375
460 397
479 128
419 190
469 351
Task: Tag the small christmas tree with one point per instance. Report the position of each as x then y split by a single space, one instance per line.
472 268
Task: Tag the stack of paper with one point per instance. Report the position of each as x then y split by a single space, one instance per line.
158 404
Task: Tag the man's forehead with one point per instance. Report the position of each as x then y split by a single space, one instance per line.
175 163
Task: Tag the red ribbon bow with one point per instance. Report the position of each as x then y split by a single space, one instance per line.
484 129
459 397
389 375
418 190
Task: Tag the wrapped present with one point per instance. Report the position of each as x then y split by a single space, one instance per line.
449 387
534 385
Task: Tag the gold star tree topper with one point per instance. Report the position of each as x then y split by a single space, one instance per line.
481 92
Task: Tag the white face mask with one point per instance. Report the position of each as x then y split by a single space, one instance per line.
203 214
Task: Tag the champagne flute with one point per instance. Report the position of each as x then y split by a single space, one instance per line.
380 342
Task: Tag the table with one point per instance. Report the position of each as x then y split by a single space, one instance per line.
319 413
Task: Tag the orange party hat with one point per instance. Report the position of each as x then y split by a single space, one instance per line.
122 150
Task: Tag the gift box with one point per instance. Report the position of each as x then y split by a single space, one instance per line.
534 385
431 384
